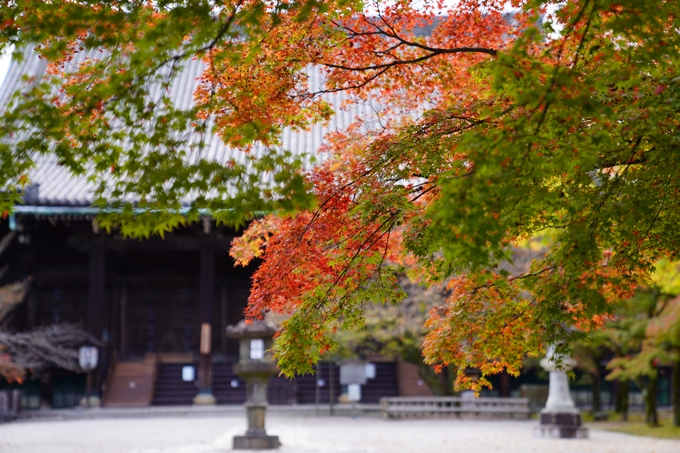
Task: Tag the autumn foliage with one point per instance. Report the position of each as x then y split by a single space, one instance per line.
521 136
495 123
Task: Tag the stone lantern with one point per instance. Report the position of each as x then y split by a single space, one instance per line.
255 366
560 418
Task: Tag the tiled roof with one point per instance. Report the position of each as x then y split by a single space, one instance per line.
53 185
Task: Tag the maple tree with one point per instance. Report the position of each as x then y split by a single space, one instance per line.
499 122
567 138
640 364
588 359
645 334
398 331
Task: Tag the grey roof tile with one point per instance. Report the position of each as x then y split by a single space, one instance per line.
57 187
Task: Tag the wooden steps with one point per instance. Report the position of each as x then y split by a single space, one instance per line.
131 384
163 384
222 377
171 389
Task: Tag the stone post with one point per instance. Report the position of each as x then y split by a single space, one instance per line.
560 418
256 367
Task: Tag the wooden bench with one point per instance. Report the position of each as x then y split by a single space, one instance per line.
453 406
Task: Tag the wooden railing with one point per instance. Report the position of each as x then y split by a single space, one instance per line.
450 406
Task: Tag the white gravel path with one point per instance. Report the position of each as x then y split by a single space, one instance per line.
303 434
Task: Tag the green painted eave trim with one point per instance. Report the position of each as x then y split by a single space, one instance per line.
56 210
86 210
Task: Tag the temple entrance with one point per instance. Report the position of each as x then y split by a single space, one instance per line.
162 320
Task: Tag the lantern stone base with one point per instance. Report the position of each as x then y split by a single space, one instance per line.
560 425
204 399
254 442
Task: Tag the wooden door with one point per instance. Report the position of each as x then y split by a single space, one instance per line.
163 320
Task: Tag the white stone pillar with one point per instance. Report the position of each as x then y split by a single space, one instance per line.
559 396
560 418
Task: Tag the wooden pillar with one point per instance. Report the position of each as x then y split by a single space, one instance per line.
95 306
123 321
224 296
205 297
31 308
26 268
114 324
95 295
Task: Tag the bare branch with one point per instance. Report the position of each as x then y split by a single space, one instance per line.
50 346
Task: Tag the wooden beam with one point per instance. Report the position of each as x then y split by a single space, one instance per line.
152 244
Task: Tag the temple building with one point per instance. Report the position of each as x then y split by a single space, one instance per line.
159 306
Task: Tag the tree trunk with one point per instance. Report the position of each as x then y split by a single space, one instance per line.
597 403
441 384
622 398
431 379
676 392
651 414
46 391
504 386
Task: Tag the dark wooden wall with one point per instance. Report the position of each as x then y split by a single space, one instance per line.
148 296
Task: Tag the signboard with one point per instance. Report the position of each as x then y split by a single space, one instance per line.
88 358
257 349
352 372
205 338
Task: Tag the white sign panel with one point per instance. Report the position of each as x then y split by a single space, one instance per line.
369 370
257 349
354 392
188 373
88 358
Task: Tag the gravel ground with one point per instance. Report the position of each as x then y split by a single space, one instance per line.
306 434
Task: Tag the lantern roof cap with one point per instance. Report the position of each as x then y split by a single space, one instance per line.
252 329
